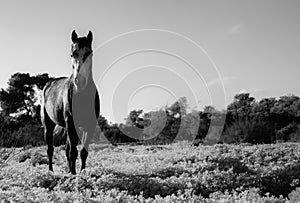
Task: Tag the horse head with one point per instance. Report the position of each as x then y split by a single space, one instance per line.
81 59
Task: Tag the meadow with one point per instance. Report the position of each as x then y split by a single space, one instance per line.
156 173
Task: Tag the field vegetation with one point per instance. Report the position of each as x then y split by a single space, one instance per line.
157 173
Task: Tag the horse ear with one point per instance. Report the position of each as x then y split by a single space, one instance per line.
74 36
90 36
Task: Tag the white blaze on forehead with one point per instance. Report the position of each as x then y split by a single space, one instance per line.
76 66
82 69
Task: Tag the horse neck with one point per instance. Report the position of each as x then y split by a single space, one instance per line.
90 77
90 86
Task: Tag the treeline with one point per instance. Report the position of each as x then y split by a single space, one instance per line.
245 120
266 121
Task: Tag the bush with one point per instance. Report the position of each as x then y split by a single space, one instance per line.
30 134
177 173
250 131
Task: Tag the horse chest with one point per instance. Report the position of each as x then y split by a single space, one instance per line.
83 107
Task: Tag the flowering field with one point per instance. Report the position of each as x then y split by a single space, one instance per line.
170 173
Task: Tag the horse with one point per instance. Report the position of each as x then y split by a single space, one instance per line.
72 102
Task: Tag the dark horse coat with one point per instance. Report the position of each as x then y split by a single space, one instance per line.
72 102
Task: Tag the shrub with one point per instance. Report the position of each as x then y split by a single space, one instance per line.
249 131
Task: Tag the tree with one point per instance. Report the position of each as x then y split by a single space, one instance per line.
262 110
189 126
134 119
155 122
250 121
40 80
241 106
286 110
179 108
285 132
20 96
102 122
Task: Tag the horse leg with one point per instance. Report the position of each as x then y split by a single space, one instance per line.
85 147
68 154
48 135
72 142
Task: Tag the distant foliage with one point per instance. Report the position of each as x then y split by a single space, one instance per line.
20 95
20 120
269 120
264 121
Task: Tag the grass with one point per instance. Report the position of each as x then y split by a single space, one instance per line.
162 173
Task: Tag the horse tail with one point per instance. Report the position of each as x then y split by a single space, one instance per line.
59 135
59 131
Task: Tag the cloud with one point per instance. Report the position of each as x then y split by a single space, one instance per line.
235 29
218 80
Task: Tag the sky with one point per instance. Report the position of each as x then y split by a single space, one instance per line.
147 54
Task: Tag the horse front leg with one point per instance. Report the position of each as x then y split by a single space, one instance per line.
85 147
71 147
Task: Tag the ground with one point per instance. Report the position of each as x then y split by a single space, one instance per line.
161 173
